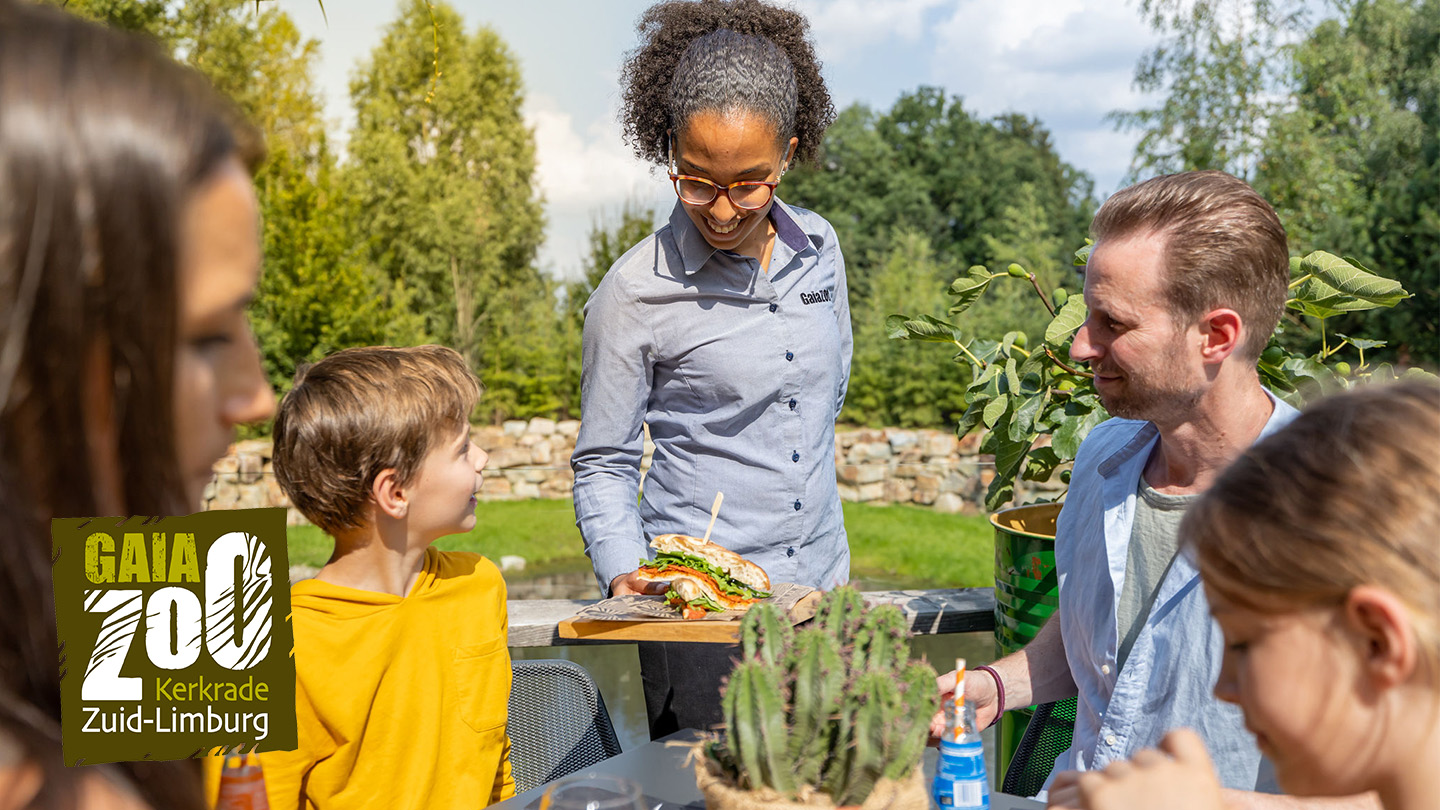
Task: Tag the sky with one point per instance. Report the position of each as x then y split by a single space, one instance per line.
1065 62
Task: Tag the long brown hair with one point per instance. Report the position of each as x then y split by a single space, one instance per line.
1346 495
102 139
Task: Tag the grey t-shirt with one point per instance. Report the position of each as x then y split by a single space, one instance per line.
1153 542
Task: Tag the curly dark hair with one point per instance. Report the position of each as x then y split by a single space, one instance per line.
751 75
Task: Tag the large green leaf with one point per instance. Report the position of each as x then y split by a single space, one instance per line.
1082 256
995 409
1009 456
1041 464
985 383
968 288
1012 377
1274 378
1022 422
1353 279
924 328
1361 343
1080 418
1066 321
971 418
1319 300
985 349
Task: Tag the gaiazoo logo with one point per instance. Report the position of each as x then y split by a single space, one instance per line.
180 658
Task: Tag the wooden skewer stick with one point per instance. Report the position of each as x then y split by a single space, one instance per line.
714 510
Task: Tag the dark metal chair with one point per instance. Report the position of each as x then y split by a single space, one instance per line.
1046 738
558 723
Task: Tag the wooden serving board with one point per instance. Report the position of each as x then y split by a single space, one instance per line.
648 618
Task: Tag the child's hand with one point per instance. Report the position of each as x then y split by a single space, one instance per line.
1178 776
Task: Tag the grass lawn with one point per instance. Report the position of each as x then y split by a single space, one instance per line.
897 544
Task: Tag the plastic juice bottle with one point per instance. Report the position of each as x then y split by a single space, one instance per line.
960 779
242 784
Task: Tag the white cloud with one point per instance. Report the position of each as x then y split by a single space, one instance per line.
1065 62
845 27
583 175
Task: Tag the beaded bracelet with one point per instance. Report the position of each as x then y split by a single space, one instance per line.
999 690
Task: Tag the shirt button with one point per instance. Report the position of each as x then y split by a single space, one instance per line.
797 506
1105 668
795 456
792 404
1110 739
774 307
790 552
789 355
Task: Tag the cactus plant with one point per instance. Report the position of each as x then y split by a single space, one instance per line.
833 708
764 634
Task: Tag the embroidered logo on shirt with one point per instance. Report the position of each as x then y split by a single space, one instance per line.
817 297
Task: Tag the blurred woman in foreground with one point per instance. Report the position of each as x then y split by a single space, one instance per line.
129 249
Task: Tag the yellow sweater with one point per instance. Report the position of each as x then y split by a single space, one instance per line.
401 703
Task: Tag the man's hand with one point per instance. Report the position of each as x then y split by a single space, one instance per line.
1179 776
631 583
979 693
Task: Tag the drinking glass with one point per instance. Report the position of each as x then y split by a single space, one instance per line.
593 792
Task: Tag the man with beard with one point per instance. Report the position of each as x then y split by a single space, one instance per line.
1186 282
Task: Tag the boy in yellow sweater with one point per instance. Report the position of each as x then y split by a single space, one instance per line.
403 675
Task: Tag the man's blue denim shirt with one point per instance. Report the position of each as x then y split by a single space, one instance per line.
1169 678
739 375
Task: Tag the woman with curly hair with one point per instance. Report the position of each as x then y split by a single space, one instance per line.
727 331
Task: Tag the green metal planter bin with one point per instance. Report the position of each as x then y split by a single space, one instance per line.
1025 596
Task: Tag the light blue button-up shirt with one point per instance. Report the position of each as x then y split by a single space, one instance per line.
739 374
1168 680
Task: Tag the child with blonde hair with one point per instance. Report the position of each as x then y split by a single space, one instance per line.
1320 554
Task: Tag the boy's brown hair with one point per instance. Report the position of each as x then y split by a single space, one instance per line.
359 412
1224 246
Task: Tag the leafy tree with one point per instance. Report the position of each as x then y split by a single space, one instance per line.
890 383
968 190
1355 163
317 294
930 167
1021 235
148 16
1222 66
609 239
1021 390
443 164
1334 122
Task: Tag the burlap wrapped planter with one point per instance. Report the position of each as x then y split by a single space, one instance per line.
720 794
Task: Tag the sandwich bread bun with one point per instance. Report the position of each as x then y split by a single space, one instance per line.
703 576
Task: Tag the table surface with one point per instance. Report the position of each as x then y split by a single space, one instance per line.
669 783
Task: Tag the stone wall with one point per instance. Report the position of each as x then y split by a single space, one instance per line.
531 460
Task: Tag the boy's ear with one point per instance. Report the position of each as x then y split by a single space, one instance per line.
390 498
1382 624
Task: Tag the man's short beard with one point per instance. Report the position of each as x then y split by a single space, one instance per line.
1153 404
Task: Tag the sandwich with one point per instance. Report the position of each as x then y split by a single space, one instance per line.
703 576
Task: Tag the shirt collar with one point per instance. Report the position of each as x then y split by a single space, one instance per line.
695 251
